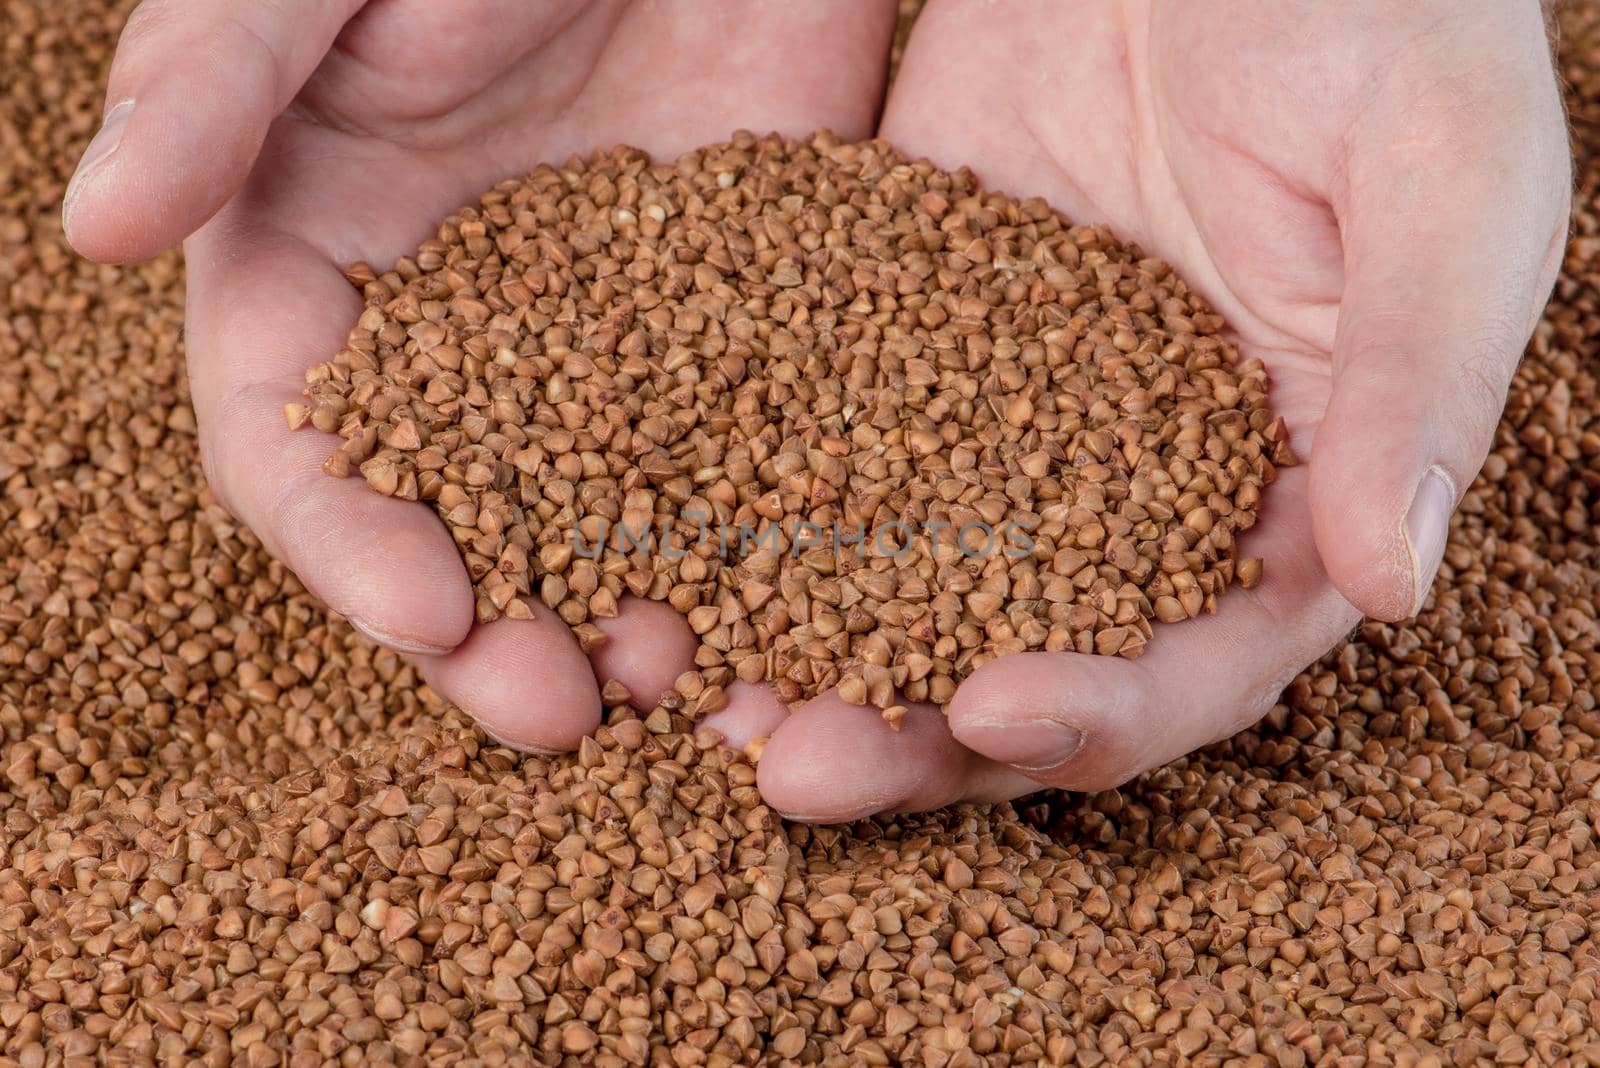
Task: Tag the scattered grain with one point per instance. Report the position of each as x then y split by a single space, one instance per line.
235 832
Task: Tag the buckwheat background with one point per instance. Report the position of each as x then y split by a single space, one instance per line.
230 829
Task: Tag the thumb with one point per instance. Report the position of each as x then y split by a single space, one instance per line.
193 89
1451 239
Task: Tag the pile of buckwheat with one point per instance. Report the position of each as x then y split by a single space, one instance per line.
863 424
233 831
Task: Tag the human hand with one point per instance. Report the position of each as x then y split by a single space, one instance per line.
1375 197
286 140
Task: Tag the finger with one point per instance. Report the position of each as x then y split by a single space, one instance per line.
194 86
262 309
525 681
648 645
1453 216
751 80
753 713
832 762
1086 722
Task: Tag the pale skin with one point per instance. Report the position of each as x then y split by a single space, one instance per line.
1374 194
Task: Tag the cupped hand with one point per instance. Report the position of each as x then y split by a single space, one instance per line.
282 141
1375 196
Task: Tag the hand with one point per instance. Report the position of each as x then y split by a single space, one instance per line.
1375 196
286 140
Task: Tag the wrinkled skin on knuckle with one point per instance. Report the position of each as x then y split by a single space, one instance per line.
217 463
1483 381
211 469
147 22
1462 79
1115 753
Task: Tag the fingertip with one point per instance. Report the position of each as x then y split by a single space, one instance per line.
387 565
798 775
1062 719
400 643
1359 524
834 762
1385 567
82 217
429 619
648 645
525 682
995 714
1427 531
163 164
753 711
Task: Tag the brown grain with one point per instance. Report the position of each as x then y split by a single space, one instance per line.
235 832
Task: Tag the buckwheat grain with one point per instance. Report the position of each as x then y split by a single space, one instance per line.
864 424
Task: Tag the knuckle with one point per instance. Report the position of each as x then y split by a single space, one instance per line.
214 469
219 456
1380 341
233 453
298 506
147 26
150 20
234 37
1247 713
1483 378
160 32
1476 93
1123 742
1462 59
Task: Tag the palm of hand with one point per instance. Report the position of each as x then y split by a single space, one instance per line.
417 108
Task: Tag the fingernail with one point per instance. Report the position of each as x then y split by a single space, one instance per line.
100 148
398 644
826 818
1031 745
1427 530
521 747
